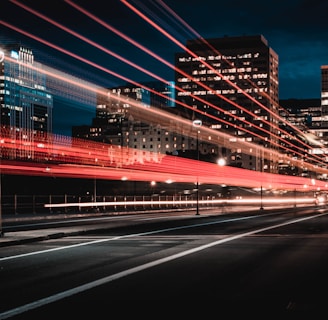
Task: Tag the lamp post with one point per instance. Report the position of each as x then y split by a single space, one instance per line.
261 206
197 124
2 58
1 231
221 162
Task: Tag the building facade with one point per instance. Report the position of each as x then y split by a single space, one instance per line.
324 89
306 116
25 103
231 84
114 124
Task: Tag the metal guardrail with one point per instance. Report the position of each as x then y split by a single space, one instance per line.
16 204
20 204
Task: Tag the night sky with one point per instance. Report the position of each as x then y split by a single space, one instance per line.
296 30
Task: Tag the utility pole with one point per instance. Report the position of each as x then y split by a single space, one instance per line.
197 124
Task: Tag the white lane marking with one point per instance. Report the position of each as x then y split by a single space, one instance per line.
123 237
124 273
164 217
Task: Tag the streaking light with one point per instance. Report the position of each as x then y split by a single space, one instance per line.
220 202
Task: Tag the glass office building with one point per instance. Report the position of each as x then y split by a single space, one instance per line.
25 103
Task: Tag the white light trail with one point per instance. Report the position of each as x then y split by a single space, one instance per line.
209 202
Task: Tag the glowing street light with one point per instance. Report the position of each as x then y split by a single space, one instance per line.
221 162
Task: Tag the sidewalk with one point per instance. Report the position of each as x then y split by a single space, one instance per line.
26 236
20 237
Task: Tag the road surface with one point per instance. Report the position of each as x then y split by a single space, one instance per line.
265 263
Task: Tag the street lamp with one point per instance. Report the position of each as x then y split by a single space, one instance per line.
261 167
221 162
197 124
1 231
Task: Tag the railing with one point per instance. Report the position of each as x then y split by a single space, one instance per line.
16 204
44 204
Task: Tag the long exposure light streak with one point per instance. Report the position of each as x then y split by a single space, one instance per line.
194 33
86 61
187 124
107 163
135 43
160 114
129 80
113 162
182 46
173 169
187 202
92 43
89 159
151 53
166 81
152 23
168 119
264 94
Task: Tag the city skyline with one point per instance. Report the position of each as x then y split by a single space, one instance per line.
253 131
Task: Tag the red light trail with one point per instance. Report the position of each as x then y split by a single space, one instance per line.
161 116
144 114
101 160
88 159
138 45
161 30
176 87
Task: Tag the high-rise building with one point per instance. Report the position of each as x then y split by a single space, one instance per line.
302 120
231 84
26 104
324 90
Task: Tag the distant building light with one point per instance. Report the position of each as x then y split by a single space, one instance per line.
197 123
2 56
221 162
14 54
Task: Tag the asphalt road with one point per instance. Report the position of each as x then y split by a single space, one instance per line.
158 266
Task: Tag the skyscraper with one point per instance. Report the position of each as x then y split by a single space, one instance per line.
231 84
25 104
324 90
